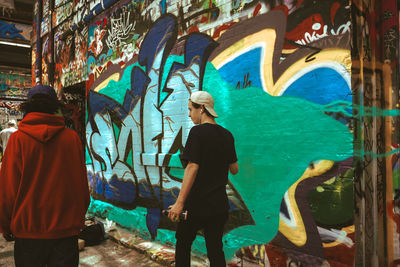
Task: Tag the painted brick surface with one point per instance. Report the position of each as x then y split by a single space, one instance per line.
280 77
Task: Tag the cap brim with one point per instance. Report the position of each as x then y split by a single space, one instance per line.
212 112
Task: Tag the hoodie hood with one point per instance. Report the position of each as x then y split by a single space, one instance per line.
41 126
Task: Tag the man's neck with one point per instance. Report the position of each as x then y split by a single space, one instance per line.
208 120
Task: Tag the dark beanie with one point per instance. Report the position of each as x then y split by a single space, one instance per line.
43 90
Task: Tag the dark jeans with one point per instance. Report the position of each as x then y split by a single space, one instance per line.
61 252
213 227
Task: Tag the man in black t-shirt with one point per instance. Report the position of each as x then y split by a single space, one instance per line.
209 155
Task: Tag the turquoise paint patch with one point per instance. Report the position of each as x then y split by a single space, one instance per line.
116 132
376 112
88 159
374 155
129 159
117 89
177 172
276 139
339 106
135 221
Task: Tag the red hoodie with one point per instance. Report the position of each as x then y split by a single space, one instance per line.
43 184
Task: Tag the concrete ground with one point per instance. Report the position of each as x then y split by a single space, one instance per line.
123 248
107 254
110 253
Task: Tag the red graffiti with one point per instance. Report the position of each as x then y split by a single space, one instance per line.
76 114
284 9
299 3
256 10
393 215
341 255
96 45
395 263
306 31
222 28
334 8
276 256
392 21
193 29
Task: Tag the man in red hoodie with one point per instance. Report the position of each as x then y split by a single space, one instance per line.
44 190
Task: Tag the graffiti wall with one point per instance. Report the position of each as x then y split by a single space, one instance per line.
17 31
375 79
74 109
69 49
390 32
9 110
36 50
279 72
14 85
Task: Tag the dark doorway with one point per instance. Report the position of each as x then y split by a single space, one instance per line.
74 111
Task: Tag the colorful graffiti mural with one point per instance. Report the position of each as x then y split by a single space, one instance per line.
291 88
280 78
70 57
12 30
46 54
14 85
9 110
375 76
36 47
74 109
45 23
62 13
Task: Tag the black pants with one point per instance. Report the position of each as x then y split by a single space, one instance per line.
213 227
61 252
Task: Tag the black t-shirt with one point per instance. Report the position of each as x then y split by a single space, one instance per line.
212 147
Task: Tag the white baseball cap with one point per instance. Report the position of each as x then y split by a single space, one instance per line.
204 98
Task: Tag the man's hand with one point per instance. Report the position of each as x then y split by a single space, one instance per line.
175 211
9 237
187 182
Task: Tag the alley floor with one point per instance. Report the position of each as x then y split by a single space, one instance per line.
107 254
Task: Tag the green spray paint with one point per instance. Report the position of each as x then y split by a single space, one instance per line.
134 221
276 139
359 110
362 112
116 89
332 202
396 180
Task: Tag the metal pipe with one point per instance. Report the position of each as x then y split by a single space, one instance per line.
38 62
51 46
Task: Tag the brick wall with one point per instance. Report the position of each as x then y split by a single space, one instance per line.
279 72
